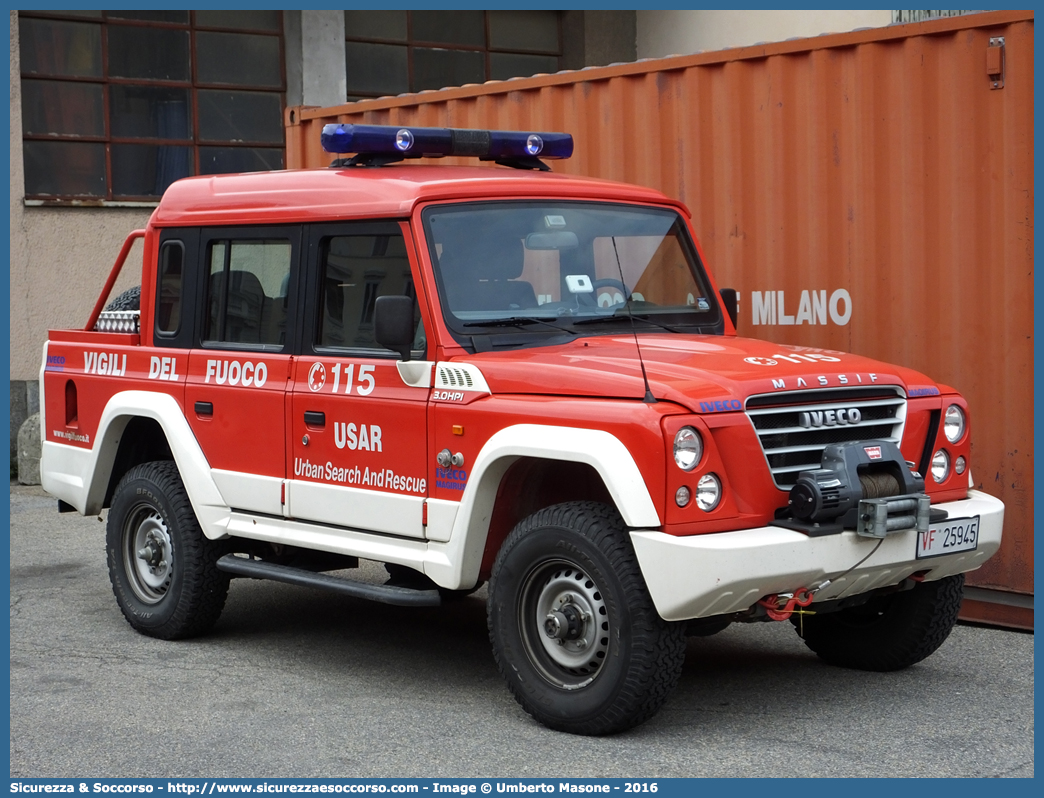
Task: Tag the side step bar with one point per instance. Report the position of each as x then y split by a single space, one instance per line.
385 594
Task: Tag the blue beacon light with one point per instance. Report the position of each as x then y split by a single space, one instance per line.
380 144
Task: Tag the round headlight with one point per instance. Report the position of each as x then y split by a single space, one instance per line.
688 448
940 465
953 424
708 492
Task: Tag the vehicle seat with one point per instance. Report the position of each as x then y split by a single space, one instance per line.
481 274
245 307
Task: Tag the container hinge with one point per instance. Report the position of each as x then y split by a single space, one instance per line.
995 62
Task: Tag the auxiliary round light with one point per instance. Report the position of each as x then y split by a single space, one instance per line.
403 140
534 144
682 496
960 465
708 492
688 448
940 465
953 424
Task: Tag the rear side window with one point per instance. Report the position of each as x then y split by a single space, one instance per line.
168 304
247 289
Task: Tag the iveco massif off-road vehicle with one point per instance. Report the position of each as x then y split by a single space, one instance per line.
480 374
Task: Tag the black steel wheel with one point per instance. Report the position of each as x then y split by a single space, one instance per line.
887 633
163 570
574 631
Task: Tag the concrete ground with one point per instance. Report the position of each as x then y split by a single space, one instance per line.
296 682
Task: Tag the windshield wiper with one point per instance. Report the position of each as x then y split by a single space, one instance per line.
517 321
615 317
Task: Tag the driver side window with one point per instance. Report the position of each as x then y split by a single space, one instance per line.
354 271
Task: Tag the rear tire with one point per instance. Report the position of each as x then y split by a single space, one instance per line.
574 631
888 633
163 570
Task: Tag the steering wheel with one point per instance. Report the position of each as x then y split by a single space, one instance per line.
609 282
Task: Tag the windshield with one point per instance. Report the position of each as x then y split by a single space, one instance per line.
567 268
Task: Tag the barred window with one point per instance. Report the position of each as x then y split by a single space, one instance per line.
393 52
116 105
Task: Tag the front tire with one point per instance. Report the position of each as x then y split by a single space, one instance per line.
163 570
890 632
574 631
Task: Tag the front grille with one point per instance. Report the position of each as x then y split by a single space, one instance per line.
793 441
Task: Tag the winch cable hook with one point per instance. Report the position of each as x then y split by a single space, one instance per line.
803 596
777 610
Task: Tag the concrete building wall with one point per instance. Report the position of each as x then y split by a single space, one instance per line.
661 33
60 256
315 64
597 38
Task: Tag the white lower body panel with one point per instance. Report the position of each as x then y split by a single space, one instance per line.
334 539
703 575
65 472
253 492
378 511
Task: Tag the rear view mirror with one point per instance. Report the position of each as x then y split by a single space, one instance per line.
393 324
560 239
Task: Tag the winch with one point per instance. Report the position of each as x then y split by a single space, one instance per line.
866 486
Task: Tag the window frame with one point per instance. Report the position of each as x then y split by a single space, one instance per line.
313 288
187 238
211 235
410 44
476 338
193 86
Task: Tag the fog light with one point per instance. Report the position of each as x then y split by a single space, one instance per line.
940 465
708 492
682 496
960 465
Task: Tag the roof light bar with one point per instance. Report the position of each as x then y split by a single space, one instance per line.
378 143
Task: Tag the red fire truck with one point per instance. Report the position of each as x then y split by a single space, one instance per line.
503 375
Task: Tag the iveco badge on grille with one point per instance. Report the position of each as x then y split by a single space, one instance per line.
830 418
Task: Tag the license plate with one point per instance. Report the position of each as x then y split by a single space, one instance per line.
949 536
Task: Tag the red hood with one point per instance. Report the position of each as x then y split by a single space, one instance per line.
697 371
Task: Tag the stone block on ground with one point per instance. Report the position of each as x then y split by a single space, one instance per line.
29 446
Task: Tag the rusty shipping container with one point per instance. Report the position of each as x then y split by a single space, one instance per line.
869 191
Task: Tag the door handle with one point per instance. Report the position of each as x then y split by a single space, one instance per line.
315 418
204 408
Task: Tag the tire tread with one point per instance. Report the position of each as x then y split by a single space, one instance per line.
913 626
128 300
204 586
658 646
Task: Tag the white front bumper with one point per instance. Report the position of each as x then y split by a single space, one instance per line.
703 575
